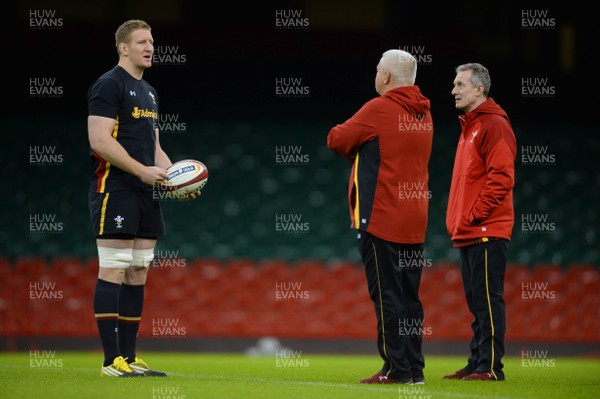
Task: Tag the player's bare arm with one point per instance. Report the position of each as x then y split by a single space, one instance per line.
101 141
161 159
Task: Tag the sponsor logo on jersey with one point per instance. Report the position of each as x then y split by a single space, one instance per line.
144 113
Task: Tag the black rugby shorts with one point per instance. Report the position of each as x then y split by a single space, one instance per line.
126 214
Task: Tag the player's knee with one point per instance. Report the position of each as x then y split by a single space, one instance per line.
115 258
142 257
112 275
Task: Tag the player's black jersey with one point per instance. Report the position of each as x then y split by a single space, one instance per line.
134 105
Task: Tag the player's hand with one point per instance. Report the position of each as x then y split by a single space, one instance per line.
152 175
191 195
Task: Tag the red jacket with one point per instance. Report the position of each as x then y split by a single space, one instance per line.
389 142
481 194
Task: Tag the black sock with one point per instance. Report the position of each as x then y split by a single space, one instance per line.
106 310
131 301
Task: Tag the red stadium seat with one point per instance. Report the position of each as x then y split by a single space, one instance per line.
583 273
31 266
241 269
548 272
5 264
274 269
308 269
238 298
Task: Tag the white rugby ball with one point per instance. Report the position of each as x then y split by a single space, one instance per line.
185 176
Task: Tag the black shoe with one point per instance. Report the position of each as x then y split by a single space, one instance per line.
140 366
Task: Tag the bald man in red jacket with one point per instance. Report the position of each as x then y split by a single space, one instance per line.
389 144
480 216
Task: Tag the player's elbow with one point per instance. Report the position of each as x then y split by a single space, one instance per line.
335 148
100 132
330 139
333 142
97 143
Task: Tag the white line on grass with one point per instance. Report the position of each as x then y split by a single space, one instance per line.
356 386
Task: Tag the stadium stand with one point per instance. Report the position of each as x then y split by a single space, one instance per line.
235 259
308 299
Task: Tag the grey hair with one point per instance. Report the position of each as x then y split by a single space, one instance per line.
401 65
479 75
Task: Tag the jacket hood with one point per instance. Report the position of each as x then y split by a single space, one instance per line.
489 106
409 97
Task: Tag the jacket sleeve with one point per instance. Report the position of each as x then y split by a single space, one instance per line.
498 150
347 138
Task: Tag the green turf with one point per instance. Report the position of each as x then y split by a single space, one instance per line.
68 375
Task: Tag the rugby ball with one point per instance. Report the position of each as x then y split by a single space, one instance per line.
185 176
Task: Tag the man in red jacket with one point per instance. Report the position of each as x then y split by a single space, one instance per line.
389 143
480 216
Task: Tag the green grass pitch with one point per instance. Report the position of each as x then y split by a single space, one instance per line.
67 375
